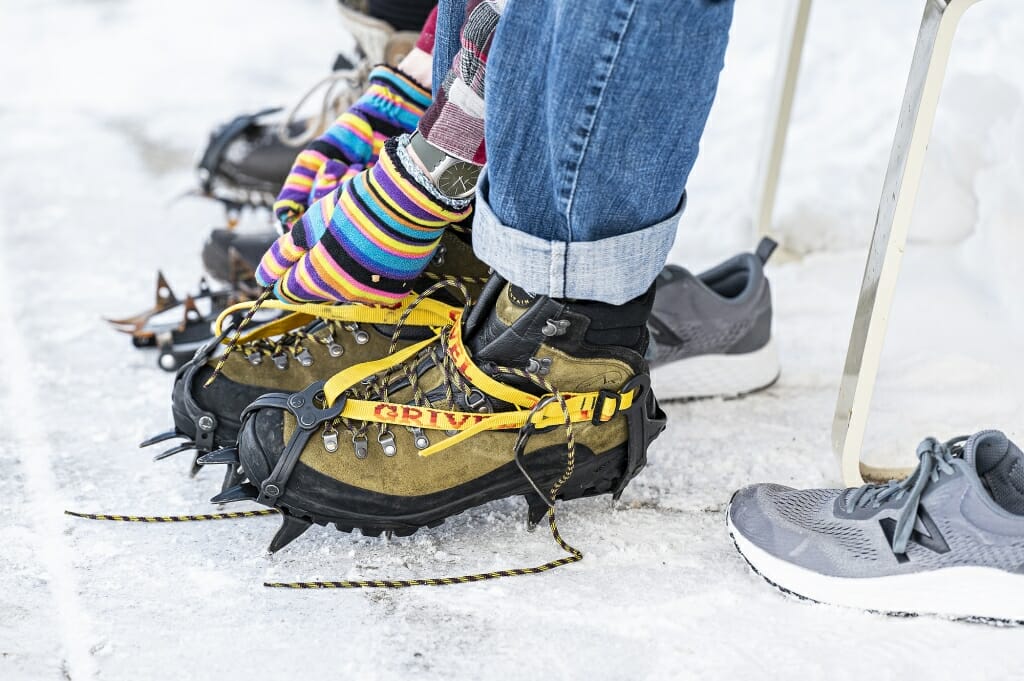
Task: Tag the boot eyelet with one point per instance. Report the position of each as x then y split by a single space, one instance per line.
330 438
387 442
475 401
362 338
438 259
419 438
360 446
555 327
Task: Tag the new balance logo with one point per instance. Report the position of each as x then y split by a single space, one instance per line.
930 539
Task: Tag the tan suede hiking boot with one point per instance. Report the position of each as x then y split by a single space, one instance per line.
310 344
528 396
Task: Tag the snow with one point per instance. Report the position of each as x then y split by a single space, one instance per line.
104 103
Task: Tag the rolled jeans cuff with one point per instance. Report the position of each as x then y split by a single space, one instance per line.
613 270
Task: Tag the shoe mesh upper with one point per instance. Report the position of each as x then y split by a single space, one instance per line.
810 510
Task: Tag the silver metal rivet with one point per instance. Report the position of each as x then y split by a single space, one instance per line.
205 423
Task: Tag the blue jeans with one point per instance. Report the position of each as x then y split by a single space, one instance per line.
594 114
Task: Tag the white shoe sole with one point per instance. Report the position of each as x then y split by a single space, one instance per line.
969 593
716 375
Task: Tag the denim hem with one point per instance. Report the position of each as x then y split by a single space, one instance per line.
612 270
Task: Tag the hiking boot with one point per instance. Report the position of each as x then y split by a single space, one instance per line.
712 333
948 540
527 396
310 343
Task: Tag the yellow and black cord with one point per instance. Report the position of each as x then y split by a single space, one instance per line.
237 333
575 555
233 515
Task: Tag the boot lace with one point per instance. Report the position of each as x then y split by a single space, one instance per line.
935 459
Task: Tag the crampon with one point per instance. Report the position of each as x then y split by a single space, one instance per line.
453 427
305 344
175 326
441 426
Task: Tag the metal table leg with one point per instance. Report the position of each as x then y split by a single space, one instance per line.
793 36
902 180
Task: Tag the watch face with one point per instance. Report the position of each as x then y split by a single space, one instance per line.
459 179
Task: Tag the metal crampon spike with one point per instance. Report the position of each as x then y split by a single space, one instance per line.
192 315
129 325
184 447
242 492
194 469
538 508
227 455
232 476
162 437
165 297
290 530
165 300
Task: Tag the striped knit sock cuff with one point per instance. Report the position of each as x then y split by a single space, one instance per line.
373 236
392 104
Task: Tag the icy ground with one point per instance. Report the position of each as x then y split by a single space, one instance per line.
103 104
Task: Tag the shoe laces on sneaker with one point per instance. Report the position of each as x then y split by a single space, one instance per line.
934 460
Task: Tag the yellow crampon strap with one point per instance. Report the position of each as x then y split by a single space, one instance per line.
582 407
428 312
287 323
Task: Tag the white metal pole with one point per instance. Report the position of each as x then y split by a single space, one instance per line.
899 192
779 112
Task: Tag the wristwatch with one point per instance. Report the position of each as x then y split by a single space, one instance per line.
452 176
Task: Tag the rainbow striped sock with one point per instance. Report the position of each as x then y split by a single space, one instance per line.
392 104
367 241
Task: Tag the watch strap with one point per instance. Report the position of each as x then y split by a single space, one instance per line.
431 156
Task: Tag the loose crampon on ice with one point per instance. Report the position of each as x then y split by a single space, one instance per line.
309 343
525 396
178 326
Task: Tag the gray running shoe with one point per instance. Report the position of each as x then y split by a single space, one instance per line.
712 333
948 540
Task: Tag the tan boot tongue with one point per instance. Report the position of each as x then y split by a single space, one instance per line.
513 303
